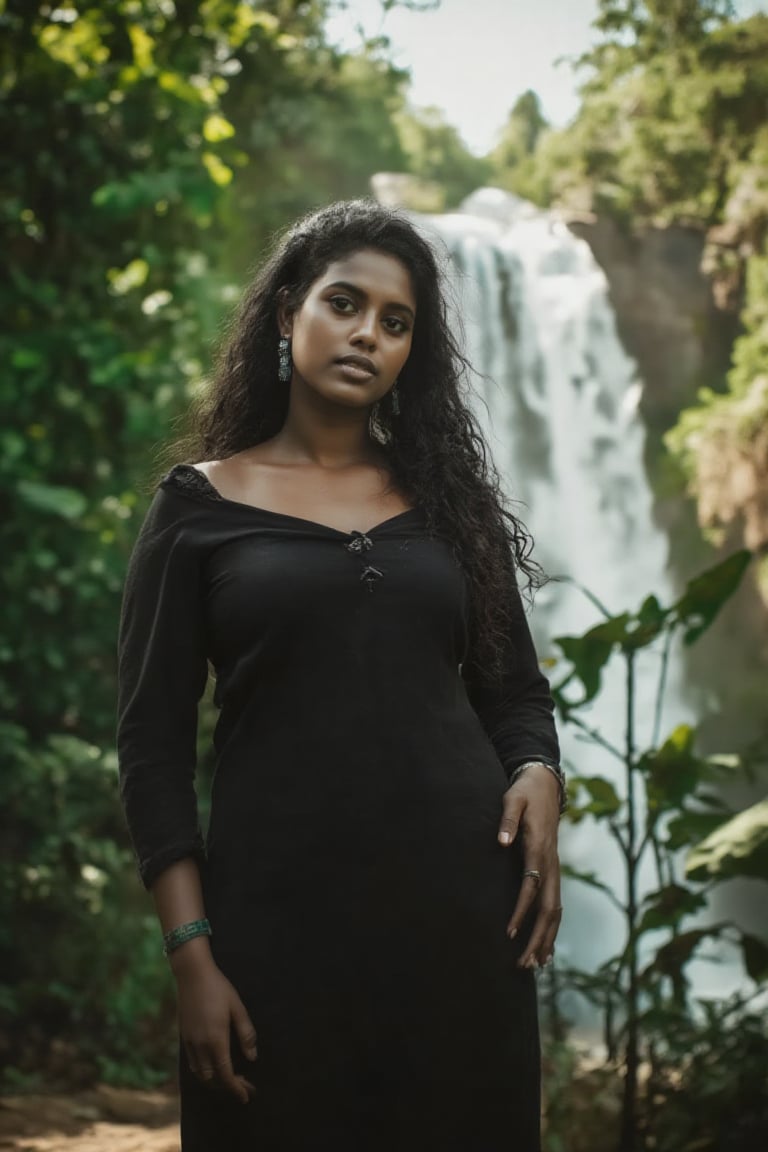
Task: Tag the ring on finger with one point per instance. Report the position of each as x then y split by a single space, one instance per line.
533 874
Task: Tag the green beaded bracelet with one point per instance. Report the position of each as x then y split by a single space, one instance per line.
178 936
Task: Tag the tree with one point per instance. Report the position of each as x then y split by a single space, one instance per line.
435 152
513 158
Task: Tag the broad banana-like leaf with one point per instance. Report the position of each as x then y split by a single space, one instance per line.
737 848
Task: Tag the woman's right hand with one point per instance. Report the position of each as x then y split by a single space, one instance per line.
209 1007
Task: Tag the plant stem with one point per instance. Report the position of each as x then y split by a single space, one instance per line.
657 714
628 1132
596 737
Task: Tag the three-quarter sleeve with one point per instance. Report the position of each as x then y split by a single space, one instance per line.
162 672
516 709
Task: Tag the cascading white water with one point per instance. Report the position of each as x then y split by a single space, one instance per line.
559 408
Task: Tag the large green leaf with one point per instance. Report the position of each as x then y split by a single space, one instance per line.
590 653
672 957
66 502
755 952
737 848
603 798
706 594
668 906
673 771
646 626
688 828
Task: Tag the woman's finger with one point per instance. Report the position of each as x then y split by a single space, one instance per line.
514 807
204 1070
192 1060
542 939
225 1075
529 891
246 1033
200 1061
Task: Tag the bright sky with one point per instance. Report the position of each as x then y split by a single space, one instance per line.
473 58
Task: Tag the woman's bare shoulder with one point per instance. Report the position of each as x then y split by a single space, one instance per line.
234 476
235 464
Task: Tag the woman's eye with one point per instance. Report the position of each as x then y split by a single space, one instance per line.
342 303
396 325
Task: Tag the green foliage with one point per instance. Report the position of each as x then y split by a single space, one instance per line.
312 127
722 443
436 153
73 916
708 1089
117 153
671 129
668 804
671 115
514 160
706 1092
737 848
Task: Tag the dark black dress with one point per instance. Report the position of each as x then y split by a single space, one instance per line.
352 874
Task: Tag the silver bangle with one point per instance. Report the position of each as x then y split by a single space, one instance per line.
556 771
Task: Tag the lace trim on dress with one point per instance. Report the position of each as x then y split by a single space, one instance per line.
190 479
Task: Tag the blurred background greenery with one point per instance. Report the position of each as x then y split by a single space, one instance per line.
150 150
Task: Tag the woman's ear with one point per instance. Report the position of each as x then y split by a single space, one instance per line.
284 314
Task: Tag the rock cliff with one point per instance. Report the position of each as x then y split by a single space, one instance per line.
666 311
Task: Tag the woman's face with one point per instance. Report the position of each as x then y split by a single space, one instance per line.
352 334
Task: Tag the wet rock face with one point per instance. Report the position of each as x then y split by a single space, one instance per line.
666 310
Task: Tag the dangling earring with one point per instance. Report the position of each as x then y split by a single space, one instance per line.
395 400
285 369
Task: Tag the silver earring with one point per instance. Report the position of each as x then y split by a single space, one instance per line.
285 368
395 400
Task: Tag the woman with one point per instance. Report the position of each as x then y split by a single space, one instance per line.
340 553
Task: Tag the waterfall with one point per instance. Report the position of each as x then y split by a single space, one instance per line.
558 402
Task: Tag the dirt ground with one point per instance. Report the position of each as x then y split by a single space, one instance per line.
100 1120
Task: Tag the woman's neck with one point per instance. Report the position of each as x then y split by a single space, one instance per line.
331 438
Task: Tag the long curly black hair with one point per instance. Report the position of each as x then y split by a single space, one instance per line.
434 448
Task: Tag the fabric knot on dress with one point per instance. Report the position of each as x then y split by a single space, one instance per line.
359 543
358 546
370 575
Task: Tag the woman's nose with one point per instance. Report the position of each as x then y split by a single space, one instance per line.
365 330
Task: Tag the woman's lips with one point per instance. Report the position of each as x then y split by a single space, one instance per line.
358 368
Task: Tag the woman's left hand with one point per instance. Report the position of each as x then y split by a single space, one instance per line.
532 806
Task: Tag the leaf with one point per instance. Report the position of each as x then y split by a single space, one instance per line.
737 848
66 502
668 906
755 953
216 128
27 358
673 771
588 878
217 169
688 828
672 957
646 625
706 594
591 652
604 800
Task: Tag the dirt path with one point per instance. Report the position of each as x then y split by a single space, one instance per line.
102 1120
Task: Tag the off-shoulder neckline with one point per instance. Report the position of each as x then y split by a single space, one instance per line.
191 479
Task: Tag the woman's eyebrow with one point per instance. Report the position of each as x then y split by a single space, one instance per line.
357 291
